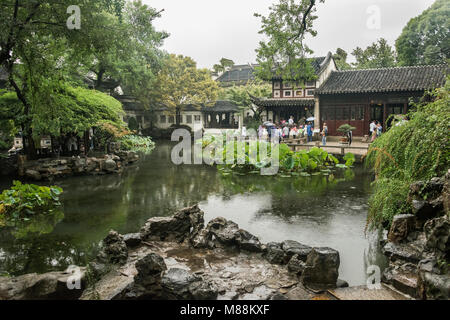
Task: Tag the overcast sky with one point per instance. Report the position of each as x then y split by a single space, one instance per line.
208 30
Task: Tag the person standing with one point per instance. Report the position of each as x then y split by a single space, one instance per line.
324 134
309 132
373 127
379 129
291 121
350 137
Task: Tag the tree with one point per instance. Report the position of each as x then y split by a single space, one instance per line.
224 65
128 52
426 38
37 48
284 53
378 55
340 57
243 96
180 83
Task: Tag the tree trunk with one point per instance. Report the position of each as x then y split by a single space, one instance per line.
178 116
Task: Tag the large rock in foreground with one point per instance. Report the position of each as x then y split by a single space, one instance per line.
185 224
67 285
322 269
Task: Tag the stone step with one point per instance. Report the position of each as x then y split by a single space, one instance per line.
364 293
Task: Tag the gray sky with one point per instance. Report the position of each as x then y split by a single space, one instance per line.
208 30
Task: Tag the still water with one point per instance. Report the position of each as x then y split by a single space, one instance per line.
317 211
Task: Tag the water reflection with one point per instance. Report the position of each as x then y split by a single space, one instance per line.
325 211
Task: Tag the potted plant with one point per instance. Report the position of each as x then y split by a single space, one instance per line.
345 129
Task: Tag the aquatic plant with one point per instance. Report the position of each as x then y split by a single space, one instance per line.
136 143
299 163
417 149
29 208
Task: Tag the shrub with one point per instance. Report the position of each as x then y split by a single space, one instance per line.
136 143
416 150
23 201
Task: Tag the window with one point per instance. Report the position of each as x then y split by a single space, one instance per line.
288 93
346 113
139 119
299 93
276 93
277 85
197 119
188 119
171 119
287 85
310 92
162 119
310 84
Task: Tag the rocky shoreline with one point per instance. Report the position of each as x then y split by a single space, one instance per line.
49 168
180 258
418 243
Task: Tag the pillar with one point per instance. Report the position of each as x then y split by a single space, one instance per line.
318 121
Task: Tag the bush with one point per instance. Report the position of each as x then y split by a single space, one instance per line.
417 149
23 201
136 143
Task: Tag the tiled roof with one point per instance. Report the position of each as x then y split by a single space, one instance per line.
415 78
317 63
238 73
284 102
222 106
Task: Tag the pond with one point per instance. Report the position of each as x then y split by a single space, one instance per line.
318 211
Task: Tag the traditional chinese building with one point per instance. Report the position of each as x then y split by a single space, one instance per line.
354 97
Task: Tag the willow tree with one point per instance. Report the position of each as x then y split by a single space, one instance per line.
284 53
181 83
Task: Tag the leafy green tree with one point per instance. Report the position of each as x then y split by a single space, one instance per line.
128 52
180 83
243 96
378 55
223 66
284 53
426 38
340 57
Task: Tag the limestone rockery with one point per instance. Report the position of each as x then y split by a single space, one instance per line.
47 169
179 258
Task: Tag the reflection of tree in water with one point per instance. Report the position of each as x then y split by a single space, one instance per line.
40 254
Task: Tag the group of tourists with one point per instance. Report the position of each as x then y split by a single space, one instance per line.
376 130
286 130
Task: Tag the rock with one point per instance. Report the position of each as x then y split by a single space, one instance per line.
33 174
67 285
341 284
224 231
176 283
278 296
114 249
405 252
110 165
182 284
203 290
437 232
433 286
185 224
401 226
150 269
132 240
402 277
248 242
296 265
322 269
259 293
429 265
275 254
292 248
